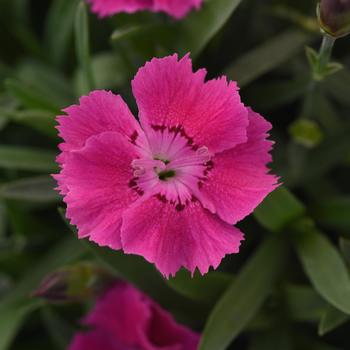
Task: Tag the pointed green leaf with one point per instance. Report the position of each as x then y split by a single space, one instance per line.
312 57
199 27
12 316
29 97
332 68
109 72
267 56
125 32
279 209
324 266
26 158
243 299
40 120
49 83
82 45
37 189
59 32
331 319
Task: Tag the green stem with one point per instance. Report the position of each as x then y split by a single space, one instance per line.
325 53
324 57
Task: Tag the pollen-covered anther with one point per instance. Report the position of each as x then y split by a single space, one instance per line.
139 171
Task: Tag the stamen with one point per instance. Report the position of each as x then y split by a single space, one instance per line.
172 165
166 174
203 152
165 161
139 171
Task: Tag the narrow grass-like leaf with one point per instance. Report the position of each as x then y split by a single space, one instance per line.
324 266
267 56
59 32
12 315
199 27
82 45
29 97
40 120
36 189
47 81
109 72
243 299
26 158
125 32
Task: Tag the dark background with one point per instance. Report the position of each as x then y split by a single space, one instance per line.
305 303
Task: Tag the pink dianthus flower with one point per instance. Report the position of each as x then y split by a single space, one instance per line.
126 319
175 8
171 187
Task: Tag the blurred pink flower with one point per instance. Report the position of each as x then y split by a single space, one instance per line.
126 319
171 187
175 8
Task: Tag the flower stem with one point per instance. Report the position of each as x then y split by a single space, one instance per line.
325 53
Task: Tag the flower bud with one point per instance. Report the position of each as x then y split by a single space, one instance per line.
334 17
74 283
306 132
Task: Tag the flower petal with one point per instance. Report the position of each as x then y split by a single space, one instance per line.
98 112
165 333
169 93
171 238
111 7
96 178
176 8
137 322
239 180
122 311
95 339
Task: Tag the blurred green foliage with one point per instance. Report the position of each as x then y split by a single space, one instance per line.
289 288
